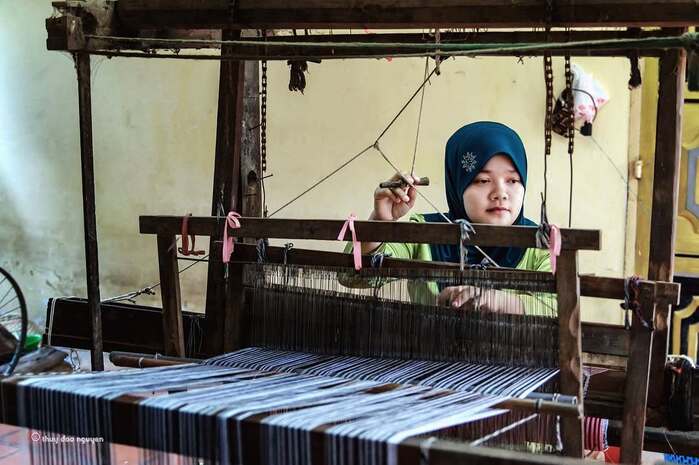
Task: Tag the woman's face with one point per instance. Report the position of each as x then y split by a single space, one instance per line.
496 194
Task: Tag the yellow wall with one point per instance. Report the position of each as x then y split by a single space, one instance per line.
687 232
154 129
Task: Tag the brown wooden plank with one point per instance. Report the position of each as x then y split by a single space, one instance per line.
226 190
570 347
664 212
604 287
65 33
89 214
127 327
173 334
280 14
637 369
375 231
598 338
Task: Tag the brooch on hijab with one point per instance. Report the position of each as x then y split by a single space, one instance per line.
468 161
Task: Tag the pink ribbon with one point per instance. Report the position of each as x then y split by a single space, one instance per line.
356 245
554 245
231 222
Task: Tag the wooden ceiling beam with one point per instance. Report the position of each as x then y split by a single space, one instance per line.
338 14
257 49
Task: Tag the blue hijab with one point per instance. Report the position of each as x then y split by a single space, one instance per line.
467 152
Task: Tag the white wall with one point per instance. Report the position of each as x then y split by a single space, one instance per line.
154 134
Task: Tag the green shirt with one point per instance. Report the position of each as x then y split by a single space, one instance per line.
424 292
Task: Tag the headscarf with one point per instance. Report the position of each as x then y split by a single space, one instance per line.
468 150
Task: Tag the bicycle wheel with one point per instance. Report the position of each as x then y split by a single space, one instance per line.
13 317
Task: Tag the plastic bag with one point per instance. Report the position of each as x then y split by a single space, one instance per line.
588 93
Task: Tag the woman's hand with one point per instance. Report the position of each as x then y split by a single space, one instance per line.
491 300
456 296
394 203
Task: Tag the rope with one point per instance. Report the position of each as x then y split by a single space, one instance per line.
419 116
381 134
320 181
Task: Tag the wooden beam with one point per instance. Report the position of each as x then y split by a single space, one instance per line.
590 286
664 206
599 286
604 339
138 328
89 214
173 334
127 327
637 372
250 161
570 347
226 190
260 48
338 14
376 231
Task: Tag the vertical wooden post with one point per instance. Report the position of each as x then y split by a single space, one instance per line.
82 61
226 189
570 347
637 369
664 214
250 161
251 189
173 335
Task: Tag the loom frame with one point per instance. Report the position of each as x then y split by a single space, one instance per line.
567 285
178 18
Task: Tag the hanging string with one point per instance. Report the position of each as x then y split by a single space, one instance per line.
542 233
148 290
419 117
548 79
570 104
400 112
362 152
320 181
263 130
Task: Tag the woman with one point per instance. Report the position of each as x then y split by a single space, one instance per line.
486 178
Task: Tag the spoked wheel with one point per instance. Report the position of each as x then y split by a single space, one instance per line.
13 322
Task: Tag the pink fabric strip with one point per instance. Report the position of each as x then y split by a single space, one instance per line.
356 245
231 222
554 245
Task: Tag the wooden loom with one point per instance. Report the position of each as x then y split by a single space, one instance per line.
238 176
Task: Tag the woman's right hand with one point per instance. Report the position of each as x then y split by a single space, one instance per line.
391 204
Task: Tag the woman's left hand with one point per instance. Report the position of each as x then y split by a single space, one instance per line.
456 296
472 297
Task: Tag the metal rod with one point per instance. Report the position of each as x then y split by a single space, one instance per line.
138 360
401 183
